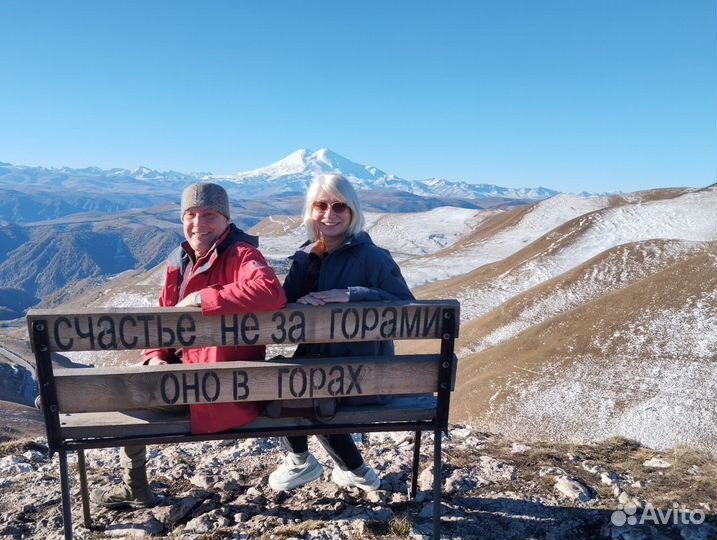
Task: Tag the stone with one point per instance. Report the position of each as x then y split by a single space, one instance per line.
123 530
207 505
13 465
171 514
639 484
461 433
377 496
204 481
200 524
425 479
572 489
592 467
33 456
518 448
398 498
657 463
608 478
551 471
493 470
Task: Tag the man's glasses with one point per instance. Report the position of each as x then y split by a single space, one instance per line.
323 206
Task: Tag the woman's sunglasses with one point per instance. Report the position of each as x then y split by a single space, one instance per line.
337 207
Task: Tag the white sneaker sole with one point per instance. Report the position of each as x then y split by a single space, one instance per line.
310 476
346 484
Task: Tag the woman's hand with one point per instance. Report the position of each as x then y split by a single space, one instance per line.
319 298
154 361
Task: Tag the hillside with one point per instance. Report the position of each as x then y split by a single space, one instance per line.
637 360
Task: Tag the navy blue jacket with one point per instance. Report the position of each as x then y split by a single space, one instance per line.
366 270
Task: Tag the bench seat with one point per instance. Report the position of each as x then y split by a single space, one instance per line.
153 422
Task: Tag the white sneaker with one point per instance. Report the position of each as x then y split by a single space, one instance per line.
368 482
295 472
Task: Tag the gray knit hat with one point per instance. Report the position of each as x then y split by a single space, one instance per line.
206 195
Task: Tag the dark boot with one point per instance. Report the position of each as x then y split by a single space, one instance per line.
134 490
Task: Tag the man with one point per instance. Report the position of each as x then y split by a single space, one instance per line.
220 270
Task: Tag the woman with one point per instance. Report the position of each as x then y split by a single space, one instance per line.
339 263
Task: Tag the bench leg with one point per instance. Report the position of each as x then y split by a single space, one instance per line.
416 456
437 460
83 489
66 502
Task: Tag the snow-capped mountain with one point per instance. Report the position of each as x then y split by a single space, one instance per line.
295 171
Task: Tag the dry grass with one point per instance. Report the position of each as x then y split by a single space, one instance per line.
689 482
293 530
21 446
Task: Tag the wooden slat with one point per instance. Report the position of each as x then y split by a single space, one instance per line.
140 387
119 329
153 423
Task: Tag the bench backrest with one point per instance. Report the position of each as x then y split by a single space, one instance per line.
138 387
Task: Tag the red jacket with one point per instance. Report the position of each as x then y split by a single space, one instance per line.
233 278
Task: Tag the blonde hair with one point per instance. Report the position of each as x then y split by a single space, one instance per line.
339 187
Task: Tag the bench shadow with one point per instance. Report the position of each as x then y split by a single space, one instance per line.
462 516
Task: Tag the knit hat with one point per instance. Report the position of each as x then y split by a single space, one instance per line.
206 195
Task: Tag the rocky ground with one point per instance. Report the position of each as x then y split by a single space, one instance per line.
492 489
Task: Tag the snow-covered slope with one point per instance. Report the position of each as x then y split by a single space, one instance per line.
689 217
440 228
539 220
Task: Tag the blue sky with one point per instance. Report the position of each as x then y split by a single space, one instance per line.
596 95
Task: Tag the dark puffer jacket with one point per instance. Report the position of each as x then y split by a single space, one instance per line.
366 270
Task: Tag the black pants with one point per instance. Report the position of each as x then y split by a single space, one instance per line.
340 446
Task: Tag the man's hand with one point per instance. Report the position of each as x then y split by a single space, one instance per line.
188 301
319 298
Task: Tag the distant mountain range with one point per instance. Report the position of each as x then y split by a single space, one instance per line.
40 193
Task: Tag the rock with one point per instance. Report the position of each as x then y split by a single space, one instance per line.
657 463
572 489
123 530
33 456
377 496
626 499
207 506
493 470
551 471
204 481
639 484
14 465
518 448
207 522
200 524
592 467
254 494
461 433
425 479
608 478
171 514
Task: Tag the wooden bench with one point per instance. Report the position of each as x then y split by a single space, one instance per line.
114 406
